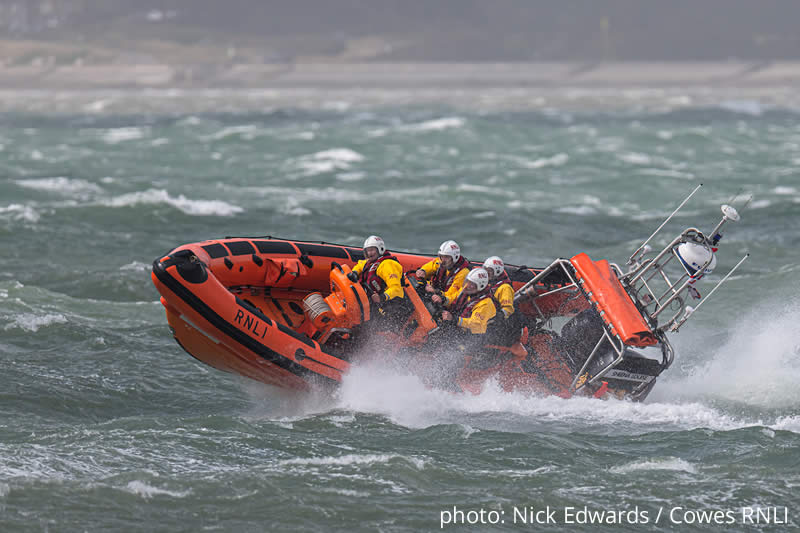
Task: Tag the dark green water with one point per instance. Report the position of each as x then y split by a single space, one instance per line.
107 425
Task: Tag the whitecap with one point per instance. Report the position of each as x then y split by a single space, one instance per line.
469 430
20 212
118 135
190 207
347 492
350 176
146 491
784 190
61 184
32 322
246 132
635 158
468 187
136 266
312 168
342 420
436 125
302 136
328 161
292 207
355 459
339 154
665 463
554 161
579 210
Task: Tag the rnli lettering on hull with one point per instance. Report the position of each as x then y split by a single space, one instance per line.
251 323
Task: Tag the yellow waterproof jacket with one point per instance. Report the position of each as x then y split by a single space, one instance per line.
482 313
504 294
390 272
451 293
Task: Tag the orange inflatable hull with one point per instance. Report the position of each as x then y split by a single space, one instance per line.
251 306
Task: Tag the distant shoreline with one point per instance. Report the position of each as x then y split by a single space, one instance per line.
389 75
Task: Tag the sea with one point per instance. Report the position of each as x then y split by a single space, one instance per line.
106 424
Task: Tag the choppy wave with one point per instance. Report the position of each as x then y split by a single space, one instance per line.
118 135
33 322
436 124
147 491
328 161
354 459
19 212
664 463
186 205
61 184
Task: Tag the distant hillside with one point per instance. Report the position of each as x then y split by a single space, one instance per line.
264 31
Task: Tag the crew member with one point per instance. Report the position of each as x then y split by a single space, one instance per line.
379 272
500 285
474 307
445 274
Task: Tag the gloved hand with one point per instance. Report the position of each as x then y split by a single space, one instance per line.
352 276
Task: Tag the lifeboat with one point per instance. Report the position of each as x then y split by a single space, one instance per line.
285 313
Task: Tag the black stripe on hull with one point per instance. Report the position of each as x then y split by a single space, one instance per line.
234 333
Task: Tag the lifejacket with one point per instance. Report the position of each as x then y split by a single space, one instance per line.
499 280
443 279
370 279
465 303
495 284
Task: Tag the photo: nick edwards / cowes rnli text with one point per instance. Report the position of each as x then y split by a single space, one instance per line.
399 266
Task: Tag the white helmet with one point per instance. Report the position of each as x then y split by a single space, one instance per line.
494 265
450 248
694 256
373 241
479 277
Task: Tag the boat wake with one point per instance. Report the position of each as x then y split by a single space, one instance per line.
748 382
758 365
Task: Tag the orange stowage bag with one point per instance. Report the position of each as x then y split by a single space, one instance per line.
283 272
613 303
